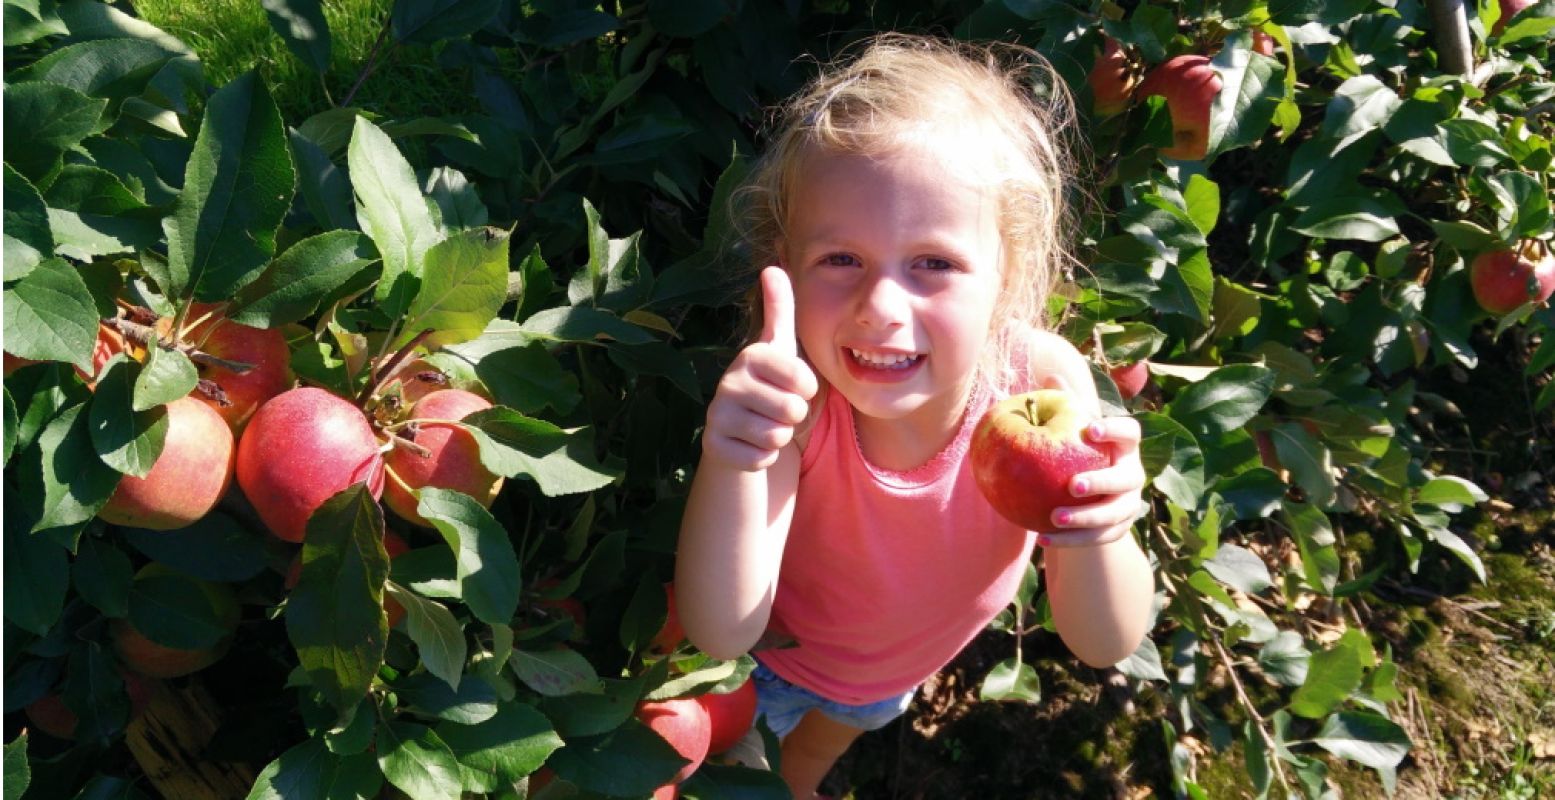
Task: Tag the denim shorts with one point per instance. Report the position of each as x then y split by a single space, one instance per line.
784 704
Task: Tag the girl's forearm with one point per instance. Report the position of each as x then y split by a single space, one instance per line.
1101 598
731 546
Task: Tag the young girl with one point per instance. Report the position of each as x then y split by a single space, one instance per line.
912 204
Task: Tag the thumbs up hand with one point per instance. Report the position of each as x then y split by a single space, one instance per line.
766 392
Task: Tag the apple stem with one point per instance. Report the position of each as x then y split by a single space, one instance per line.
144 335
402 443
375 382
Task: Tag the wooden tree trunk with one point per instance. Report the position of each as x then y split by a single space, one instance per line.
168 740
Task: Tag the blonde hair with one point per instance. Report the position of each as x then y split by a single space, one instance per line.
898 90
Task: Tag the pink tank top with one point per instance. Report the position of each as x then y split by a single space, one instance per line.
887 575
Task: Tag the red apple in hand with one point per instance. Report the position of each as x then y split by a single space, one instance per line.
245 391
188 478
1189 85
454 461
300 449
1503 280
730 715
685 725
1024 451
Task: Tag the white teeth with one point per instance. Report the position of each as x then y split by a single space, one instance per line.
883 360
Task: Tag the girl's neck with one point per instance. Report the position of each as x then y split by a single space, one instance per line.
909 442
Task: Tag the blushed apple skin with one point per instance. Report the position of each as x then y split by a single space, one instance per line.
1131 379
672 633
683 722
188 478
1023 469
300 449
455 462
155 660
1112 86
246 391
731 715
1189 84
1499 278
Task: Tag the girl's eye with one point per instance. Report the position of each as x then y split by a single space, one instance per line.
839 260
936 264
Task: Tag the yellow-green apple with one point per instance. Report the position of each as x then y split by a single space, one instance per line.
730 714
1024 451
50 714
188 478
1131 378
684 724
1509 9
155 660
1505 279
245 391
1112 80
301 448
393 544
453 458
1189 84
671 634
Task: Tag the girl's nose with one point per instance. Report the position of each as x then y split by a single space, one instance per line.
883 303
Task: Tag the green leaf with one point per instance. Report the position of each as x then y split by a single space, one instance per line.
1332 676
290 289
1144 664
428 21
167 376
50 315
1284 659
464 287
1472 143
529 379
687 19
631 761
1012 680
1532 22
582 324
325 189
70 482
390 209
9 417
102 575
130 441
17 773
26 23
84 237
437 634
1240 568
456 199
487 566
1359 218
111 68
513 743
1202 197
1455 545
41 121
731 782
1315 541
417 761
175 610
37 575
214 548
514 445
28 239
705 678
1364 737
94 690
1224 400
335 617
555 673
310 770
91 190
1451 492
1251 88
237 187
1359 106
1308 459
1172 458
423 693
302 26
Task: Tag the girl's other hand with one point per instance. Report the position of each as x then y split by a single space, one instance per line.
1109 497
766 392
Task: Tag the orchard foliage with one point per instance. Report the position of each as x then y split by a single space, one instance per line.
1288 289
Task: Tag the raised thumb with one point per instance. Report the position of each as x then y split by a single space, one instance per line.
777 311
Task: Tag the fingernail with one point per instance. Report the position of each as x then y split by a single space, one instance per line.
1064 517
1082 487
1094 430
1044 540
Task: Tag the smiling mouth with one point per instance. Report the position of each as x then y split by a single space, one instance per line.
883 361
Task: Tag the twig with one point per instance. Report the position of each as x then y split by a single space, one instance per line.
372 62
144 335
1247 703
378 376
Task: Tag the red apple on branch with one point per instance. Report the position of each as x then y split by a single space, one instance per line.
1131 378
50 714
683 723
1509 9
672 633
730 715
300 449
1112 80
1189 84
156 660
1024 451
1503 280
188 478
245 391
453 459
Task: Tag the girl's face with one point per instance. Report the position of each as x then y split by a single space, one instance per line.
895 262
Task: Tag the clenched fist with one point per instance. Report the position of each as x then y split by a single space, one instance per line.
765 392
